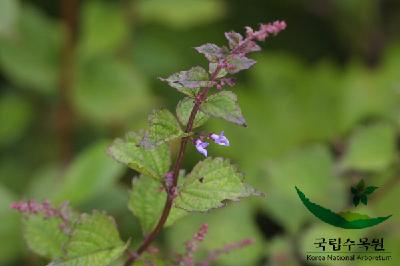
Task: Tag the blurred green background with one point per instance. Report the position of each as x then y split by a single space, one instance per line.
322 105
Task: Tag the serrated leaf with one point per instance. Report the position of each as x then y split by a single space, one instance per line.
369 190
212 52
152 162
210 183
239 63
44 236
163 128
184 109
353 190
189 82
94 241
147 200
224 105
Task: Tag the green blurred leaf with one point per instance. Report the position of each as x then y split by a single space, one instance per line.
104 28
226 225
31 58
94 241
183 110
90 173
109 91
153 162
312 168
211 183
15 116
147 201
180 13
371 148
163 128
44 236
10 228
224 105
9 10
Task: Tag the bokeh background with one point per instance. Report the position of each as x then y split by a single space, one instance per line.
322 105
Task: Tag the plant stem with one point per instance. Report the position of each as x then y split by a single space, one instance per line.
69 9
200 98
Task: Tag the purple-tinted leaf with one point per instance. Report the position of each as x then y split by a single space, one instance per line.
237 63
249 47
189 81
212 52
234 39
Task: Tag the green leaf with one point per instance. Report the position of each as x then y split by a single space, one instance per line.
10 228
210 184
180 13
94 241
109 90
15 117
311 166
31 58
353 216
44 236
356 201
369 190
364 199
184 109
104 28
224 105
90 173
353 190
372 148
163 128
147 200
152 162
226 225
8 16
360 185
189 82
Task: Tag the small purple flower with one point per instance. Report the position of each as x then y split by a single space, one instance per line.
201 147
220 139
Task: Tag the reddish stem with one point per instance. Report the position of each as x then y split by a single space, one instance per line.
133 256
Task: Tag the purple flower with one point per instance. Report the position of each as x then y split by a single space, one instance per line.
220 139
201 147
